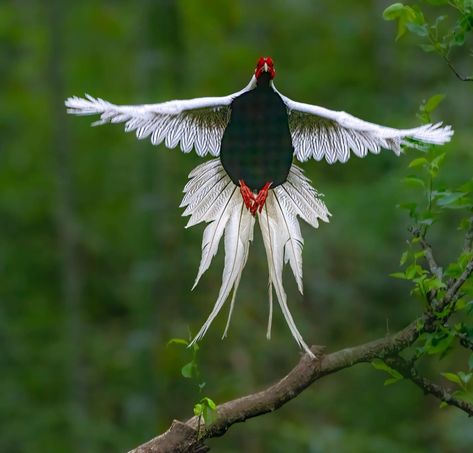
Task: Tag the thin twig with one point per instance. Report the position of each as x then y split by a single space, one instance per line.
429 256
428 387
454 288
459 76
435 269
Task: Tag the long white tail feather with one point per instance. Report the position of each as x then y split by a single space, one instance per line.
232 304
212 235
210 196
235 289
291 238
238 234
274 245
270 316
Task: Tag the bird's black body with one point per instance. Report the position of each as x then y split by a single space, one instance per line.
257 146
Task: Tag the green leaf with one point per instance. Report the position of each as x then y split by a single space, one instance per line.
433 284
400 275
459 38
179 341
198 409
413 270
206 408
380 365
433 102
188 370
426 221
404 257
405 15
392 380
452 377
209 402
450 198
209 415
420 254
393 11
413 181
427 47
417 162
465 377
443 404
438 342
419 30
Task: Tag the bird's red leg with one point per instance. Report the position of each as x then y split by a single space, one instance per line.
260 199
247 195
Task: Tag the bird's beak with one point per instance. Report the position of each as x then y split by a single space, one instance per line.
265 67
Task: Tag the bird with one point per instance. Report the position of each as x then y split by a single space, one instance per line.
254 137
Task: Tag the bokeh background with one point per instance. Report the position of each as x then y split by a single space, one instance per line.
96 266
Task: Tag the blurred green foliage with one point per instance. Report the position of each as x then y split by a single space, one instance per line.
95 263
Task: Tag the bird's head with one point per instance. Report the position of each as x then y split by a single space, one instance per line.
265 64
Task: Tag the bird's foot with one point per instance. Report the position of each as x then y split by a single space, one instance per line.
254 203
247 195
260 199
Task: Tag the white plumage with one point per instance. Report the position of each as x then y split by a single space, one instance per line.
199 123
210 195
227 214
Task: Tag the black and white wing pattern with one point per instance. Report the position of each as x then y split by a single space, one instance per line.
193 123
319 133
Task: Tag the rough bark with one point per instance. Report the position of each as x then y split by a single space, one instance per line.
185 436
189 436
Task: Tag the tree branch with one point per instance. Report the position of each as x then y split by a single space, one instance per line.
189 436
181 438
428 387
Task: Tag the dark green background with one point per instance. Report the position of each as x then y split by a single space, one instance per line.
96 266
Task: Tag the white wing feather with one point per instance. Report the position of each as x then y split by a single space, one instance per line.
194 123
320 133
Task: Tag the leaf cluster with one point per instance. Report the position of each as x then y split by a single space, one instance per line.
205 408
430 202
442 33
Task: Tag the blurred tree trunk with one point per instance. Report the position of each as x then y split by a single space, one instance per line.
67 230
159 45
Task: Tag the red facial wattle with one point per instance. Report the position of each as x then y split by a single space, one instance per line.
265 64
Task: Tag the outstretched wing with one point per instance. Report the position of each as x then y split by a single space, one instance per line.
194 123
321 133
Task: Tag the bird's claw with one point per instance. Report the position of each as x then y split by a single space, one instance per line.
254 203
